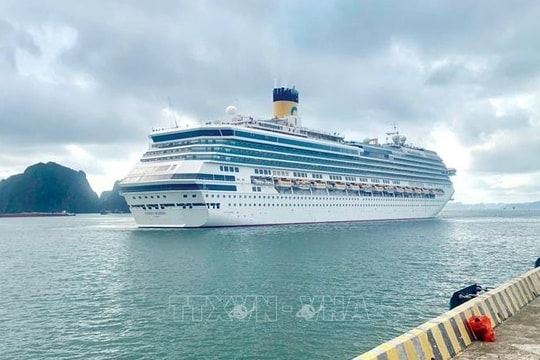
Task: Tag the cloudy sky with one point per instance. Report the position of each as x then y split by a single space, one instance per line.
83 82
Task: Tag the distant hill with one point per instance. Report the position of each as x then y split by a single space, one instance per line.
494 206
112 201
48 187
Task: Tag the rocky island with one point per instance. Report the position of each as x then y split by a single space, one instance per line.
50 188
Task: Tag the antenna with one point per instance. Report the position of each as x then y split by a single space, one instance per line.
172 110
395 130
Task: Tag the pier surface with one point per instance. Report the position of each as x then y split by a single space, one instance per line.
516 338
513 309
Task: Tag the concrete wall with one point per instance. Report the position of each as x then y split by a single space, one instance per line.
448 335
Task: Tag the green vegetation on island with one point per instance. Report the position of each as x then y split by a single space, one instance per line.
50 188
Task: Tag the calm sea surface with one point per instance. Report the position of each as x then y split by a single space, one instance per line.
96 287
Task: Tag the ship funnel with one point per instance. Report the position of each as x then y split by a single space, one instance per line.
285 102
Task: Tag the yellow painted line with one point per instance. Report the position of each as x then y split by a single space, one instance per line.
507 304
518 295
409 349
536 281
529 287
424 343
366 356
490 312
476 310
535 277
505 313
524 289
509 291
404 345
390 350
440 343
463 330
496 317
452 336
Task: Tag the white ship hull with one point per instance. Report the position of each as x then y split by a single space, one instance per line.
246 209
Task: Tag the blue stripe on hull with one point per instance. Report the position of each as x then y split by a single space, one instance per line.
166 187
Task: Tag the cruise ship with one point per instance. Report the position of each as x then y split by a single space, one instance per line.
242 171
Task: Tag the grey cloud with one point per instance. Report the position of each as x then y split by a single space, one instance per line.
204 55
517 154
12 38
48 114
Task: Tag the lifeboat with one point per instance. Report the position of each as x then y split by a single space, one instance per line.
339 186
301 184
261 181
353 187
366 187
318 185
283 183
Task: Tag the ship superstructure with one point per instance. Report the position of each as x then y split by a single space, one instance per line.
243 171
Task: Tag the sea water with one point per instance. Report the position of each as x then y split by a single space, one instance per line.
97 287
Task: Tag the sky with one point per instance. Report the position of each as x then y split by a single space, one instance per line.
83 83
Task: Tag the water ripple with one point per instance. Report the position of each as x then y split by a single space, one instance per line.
96 287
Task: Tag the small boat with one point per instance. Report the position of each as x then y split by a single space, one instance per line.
261 180
301 184
318 185
337 186
258 180
353 187
366 187
283 182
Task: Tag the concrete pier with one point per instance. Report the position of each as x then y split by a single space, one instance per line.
516 338
447 336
